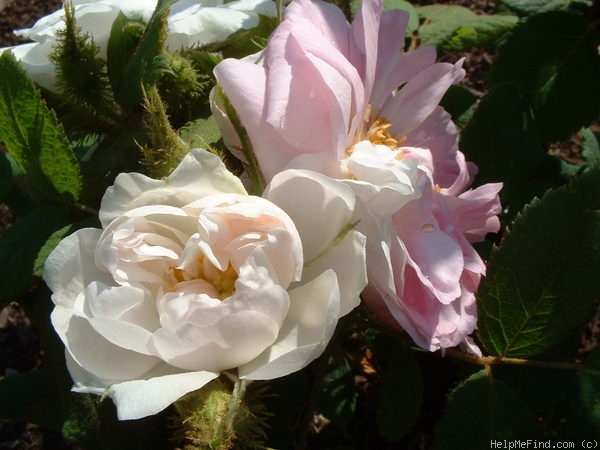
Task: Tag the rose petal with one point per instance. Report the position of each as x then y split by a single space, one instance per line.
231 341
305 333
326 18
141 398
365 30
96 354
420 96
191 24
70 267
352 277
199 174
330 203
244 84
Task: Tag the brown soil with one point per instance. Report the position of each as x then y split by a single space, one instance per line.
22 14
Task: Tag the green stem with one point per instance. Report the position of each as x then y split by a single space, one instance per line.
84 208
239 388
487 361
253 168
279 6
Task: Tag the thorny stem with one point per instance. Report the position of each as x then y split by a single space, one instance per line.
488 361
239 389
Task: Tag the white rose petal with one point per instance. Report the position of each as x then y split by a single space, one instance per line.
140 398
199 174
309 198
304 334
190 23
191 277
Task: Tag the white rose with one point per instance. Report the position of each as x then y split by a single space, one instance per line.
191 276
191 23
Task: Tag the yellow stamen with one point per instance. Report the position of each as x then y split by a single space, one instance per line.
179 274
379 134
222 280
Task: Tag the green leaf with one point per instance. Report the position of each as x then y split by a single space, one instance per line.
413 17
33 136
589 382
542 282
338 399
482 410
553 57
552 387
457 28
529 7
55 238
591 147
202 133
138 71
20 245
400 396
501 139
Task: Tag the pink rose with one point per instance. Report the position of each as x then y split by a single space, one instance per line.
436 271
323 85
346 100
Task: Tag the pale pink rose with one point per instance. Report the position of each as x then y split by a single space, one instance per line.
322 85
436 270
345 99
190 277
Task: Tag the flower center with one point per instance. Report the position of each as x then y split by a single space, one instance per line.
223 281
379 134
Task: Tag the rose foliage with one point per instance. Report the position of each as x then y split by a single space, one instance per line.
259 224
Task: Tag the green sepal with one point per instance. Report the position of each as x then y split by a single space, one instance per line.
138 70
82 78
166 149
124 39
